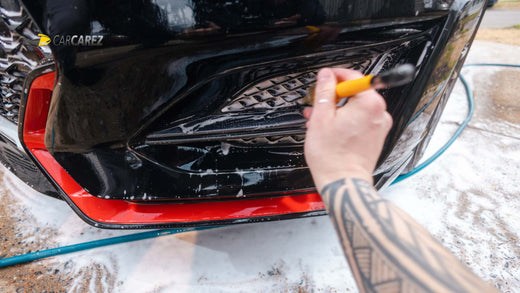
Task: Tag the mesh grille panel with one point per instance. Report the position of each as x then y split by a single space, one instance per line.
271 140
282 91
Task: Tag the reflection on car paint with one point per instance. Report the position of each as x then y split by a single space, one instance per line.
172 74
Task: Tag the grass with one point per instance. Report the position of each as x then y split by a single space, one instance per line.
509 35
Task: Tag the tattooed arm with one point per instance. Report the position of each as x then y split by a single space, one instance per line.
386 249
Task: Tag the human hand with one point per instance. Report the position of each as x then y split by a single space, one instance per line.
347 141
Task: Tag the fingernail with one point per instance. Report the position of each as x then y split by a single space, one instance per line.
324 74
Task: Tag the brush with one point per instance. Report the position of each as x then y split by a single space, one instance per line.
399 75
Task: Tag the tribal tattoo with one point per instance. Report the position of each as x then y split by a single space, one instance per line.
387 250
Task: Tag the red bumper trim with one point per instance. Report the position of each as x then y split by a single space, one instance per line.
124 212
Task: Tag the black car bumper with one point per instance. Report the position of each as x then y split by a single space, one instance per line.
183 119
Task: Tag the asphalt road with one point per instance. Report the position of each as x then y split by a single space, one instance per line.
495 18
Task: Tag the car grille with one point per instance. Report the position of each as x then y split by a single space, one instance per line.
282 91
19 54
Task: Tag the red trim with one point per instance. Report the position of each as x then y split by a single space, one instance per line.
124 212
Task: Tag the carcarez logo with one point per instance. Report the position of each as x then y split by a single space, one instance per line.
71 40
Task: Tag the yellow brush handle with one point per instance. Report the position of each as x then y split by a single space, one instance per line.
351 87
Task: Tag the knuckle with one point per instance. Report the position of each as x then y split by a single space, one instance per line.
325 90
379 104
321 71
374 103
388 120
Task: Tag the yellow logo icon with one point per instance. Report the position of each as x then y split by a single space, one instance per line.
44 40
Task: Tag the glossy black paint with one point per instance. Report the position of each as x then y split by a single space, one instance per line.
157 70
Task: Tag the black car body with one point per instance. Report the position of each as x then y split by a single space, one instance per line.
188 112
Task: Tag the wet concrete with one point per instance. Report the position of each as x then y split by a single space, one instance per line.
468 199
